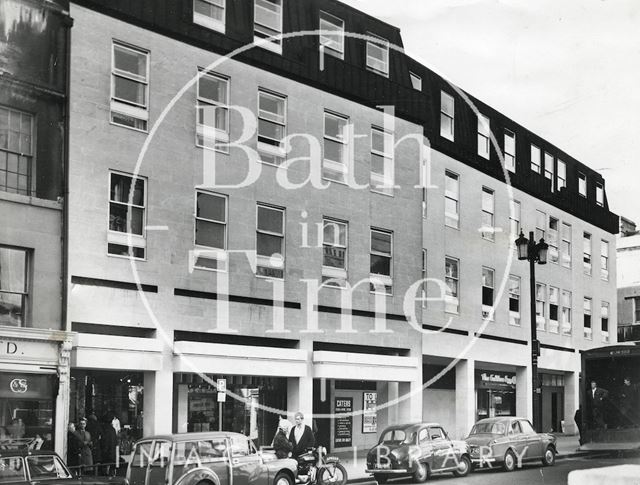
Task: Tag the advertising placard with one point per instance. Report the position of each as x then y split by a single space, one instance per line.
343 427
369 417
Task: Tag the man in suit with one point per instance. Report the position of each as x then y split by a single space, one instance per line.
301 436
597 396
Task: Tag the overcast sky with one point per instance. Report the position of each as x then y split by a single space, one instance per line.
568 70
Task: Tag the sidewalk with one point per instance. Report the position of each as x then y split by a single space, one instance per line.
567 446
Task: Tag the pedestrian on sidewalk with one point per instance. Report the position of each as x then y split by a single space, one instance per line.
301 436
578 419
281 443
598 397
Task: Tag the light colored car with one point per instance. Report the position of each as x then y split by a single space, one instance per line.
509 442
417 450
214 458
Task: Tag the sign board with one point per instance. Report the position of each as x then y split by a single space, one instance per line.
221 385
343 425
495 380
222 397
26 386
369 415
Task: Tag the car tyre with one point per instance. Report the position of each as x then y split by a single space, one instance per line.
509 463
464 467
422 473
549 457
282 479
381 479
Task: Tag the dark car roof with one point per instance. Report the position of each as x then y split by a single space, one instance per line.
204 435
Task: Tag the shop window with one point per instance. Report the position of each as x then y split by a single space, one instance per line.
334 253
212 108
270 241
127 207
130 86
381 262
210 231
210 13
382 169
267 22
16 151
272 127
14 286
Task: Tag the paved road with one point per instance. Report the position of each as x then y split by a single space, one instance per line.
529 474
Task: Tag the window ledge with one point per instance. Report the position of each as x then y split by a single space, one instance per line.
30 200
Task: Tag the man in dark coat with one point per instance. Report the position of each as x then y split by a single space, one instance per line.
627 404
301 436
74 445
597 398
108 443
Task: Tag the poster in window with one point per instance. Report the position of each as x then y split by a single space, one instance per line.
343 430
369 416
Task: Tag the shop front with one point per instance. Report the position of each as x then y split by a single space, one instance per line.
34 370
552 402
495 394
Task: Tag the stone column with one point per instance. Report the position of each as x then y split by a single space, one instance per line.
300 389
465 398
158 397
571 401
62 399
524 400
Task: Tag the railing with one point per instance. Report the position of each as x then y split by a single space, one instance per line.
629 333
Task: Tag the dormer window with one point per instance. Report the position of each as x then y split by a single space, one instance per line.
267 22
332 36
378 54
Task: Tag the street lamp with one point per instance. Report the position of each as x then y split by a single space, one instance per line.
534 253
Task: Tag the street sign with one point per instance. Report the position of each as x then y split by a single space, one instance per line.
221 384
222 397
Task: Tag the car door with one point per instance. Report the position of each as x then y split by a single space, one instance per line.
517 440
192 454
426 448
533 440
246 464
441 447
157 471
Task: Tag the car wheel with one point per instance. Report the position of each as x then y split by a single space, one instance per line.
333 474
464 467
509 461
380 478
422 473
282 479
549 457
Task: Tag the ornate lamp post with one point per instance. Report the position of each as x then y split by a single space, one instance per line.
534 253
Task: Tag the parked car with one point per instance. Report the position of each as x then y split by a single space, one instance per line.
417 450
210 458
21 466
509 442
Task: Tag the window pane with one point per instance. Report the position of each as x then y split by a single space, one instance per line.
380 265
213 88
130 61
381 242
13 270
334 126
211 207
446 104
270 220
128 90
210 234
268 245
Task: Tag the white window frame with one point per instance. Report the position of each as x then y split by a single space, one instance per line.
416 81
379 66
452 220
207 20
332 44
541 225
266 263
135 111
552 239
587 311
488 212
554 299
23 293
333 276
549 168
488 282
541 303
330 167
561 175
510 150
270 152
378 278
452 301
120 238
587 251
565 255
484 132
536 159
582 184
604 260
212 137
566 327
19 147
599 194
514 294
383 182
604 315
210 253
449 117
514 217
262 31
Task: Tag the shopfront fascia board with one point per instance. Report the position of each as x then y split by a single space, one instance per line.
210 358
341 365
113 352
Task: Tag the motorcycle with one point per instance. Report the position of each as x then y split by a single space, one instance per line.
316 468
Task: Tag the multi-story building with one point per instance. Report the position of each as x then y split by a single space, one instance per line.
34 348
628 260
216 230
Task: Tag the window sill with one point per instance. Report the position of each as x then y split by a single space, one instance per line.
31 200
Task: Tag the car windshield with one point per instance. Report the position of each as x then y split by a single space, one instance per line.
391 436
493 428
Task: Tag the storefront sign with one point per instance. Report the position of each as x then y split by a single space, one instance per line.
26 386
343 430
495 380
369 416
27 349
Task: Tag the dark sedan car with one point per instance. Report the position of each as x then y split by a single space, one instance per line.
213 458
509 442
417 450
20 466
